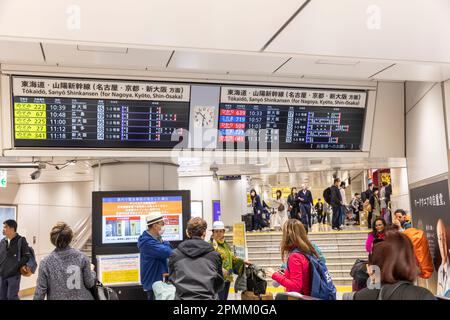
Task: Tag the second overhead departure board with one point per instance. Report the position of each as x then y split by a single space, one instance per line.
326 121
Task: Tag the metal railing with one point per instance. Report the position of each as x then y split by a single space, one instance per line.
82 232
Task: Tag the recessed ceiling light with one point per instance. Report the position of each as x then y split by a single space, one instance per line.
337 62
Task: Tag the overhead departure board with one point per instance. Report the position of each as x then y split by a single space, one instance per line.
291 119
98 114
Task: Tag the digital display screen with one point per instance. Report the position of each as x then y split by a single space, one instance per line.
123 218
98 123
291 127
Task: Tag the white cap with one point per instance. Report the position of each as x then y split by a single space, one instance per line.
218 225
154 217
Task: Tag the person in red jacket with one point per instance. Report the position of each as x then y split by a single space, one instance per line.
294 245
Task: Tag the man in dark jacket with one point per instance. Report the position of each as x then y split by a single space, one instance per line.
336 204
11 260
305 199
368 195
154 253
195 268
319 211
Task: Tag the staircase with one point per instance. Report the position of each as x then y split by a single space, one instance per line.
340 249
87 248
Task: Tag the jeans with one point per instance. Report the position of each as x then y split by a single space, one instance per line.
223 295
307 210
336 217
343 212
9 288
258 221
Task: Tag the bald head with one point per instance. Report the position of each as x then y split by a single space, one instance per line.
442 240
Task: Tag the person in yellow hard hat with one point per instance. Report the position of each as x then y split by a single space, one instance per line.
230 263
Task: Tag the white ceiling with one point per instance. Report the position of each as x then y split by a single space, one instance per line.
328 39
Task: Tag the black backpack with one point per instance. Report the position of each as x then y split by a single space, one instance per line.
256 280
327 195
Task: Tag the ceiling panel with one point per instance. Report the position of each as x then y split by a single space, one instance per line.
233 24
415 72
73 55
20 52
386 29
332 67
223 62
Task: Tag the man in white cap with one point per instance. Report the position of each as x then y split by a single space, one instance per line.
230 263
154 252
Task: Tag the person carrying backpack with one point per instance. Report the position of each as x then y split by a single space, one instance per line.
304 273
14 255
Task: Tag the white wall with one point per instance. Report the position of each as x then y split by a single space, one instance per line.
40 206
426 146
400 191
204 189
388 135
233 200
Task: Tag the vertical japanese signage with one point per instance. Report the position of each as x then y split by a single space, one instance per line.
431 212
239 240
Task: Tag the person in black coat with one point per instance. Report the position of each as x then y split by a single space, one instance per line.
258 221
10 261
293 205
336 204
319 210
305 200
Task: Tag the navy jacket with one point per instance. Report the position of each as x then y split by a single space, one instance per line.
154 259
307 197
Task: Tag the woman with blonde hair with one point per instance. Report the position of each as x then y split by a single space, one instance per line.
295 247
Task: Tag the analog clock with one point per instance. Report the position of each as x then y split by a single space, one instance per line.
204 116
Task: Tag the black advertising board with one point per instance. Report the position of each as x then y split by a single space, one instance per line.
81 113
430 207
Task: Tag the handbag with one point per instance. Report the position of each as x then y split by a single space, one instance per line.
281 207
100 292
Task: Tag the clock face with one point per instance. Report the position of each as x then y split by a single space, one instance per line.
204 117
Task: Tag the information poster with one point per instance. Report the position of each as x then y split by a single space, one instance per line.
7 213
430 212
239 240
119 269
124 217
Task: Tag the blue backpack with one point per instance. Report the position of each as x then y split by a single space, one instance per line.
322 286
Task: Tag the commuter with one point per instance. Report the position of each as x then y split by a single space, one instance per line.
377 234
356 206
375 204
305 200
65 274
10 263
336 204
280 216
402 219
368 195
344 204
230 263
293 205
294 248
321 214
395 259
258 209
385 202
195 268
154 253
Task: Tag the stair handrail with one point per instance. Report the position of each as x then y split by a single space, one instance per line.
82 232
